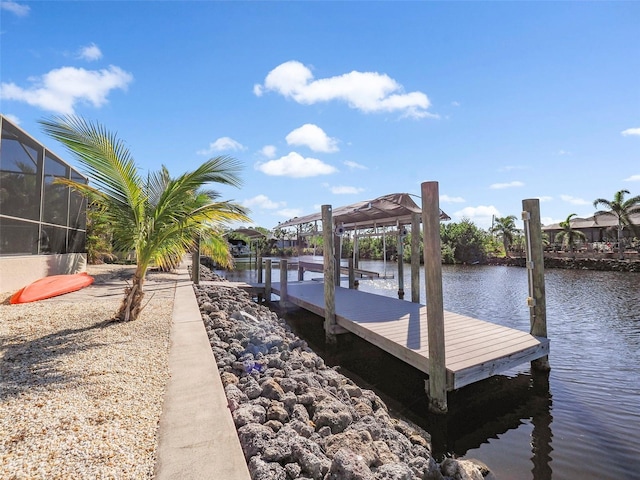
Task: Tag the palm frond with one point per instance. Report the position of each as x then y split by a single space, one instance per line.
105 158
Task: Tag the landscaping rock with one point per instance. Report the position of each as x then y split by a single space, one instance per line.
298 419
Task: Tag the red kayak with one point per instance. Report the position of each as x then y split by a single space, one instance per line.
52 286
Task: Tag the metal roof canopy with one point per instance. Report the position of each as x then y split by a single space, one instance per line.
388 210
248 232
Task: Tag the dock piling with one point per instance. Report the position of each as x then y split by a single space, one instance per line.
283 282
535 269
352 274
329 275
299 250
435 312
399 255
415 258
267 280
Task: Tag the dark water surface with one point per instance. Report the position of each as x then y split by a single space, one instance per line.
580 422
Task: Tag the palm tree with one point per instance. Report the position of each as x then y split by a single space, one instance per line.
622 209
159 218
505 227
568 235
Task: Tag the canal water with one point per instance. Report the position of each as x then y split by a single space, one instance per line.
582 421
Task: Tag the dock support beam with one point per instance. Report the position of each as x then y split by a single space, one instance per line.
352 275
267 280
435 311
283 283
300 267
415 258
329 275
399 255
535 268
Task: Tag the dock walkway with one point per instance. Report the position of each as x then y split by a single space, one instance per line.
474 349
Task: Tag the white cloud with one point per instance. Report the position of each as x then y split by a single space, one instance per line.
574 200
631 131
365 91
346 190
545 199
59 90
563 153
90 53
480 215
633 178
295 165
448 199
498 186
312 136
354 165
455 104
289 212
262 201
12 118
223 144
268 151
15 8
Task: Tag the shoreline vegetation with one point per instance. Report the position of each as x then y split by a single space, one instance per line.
568 263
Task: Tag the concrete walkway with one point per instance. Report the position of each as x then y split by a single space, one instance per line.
197 436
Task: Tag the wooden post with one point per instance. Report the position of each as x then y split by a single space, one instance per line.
535 268
415 258
352 274
435 312
267 280
259 268
329 275
283 282
256 247
337 248
399 255
356 253
195 263
300 269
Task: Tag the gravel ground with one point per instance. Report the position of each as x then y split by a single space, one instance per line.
81 397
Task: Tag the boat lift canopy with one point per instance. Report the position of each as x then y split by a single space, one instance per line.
388 210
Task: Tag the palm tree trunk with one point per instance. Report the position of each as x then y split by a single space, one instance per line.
620 248
131 305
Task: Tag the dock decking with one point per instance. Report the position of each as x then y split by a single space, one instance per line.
474 349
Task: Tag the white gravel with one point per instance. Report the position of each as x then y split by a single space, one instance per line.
81 397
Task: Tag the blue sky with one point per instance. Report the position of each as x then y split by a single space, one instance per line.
337 102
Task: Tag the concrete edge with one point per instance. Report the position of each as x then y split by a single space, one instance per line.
197 437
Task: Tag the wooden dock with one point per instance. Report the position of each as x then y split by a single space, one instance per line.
474 349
